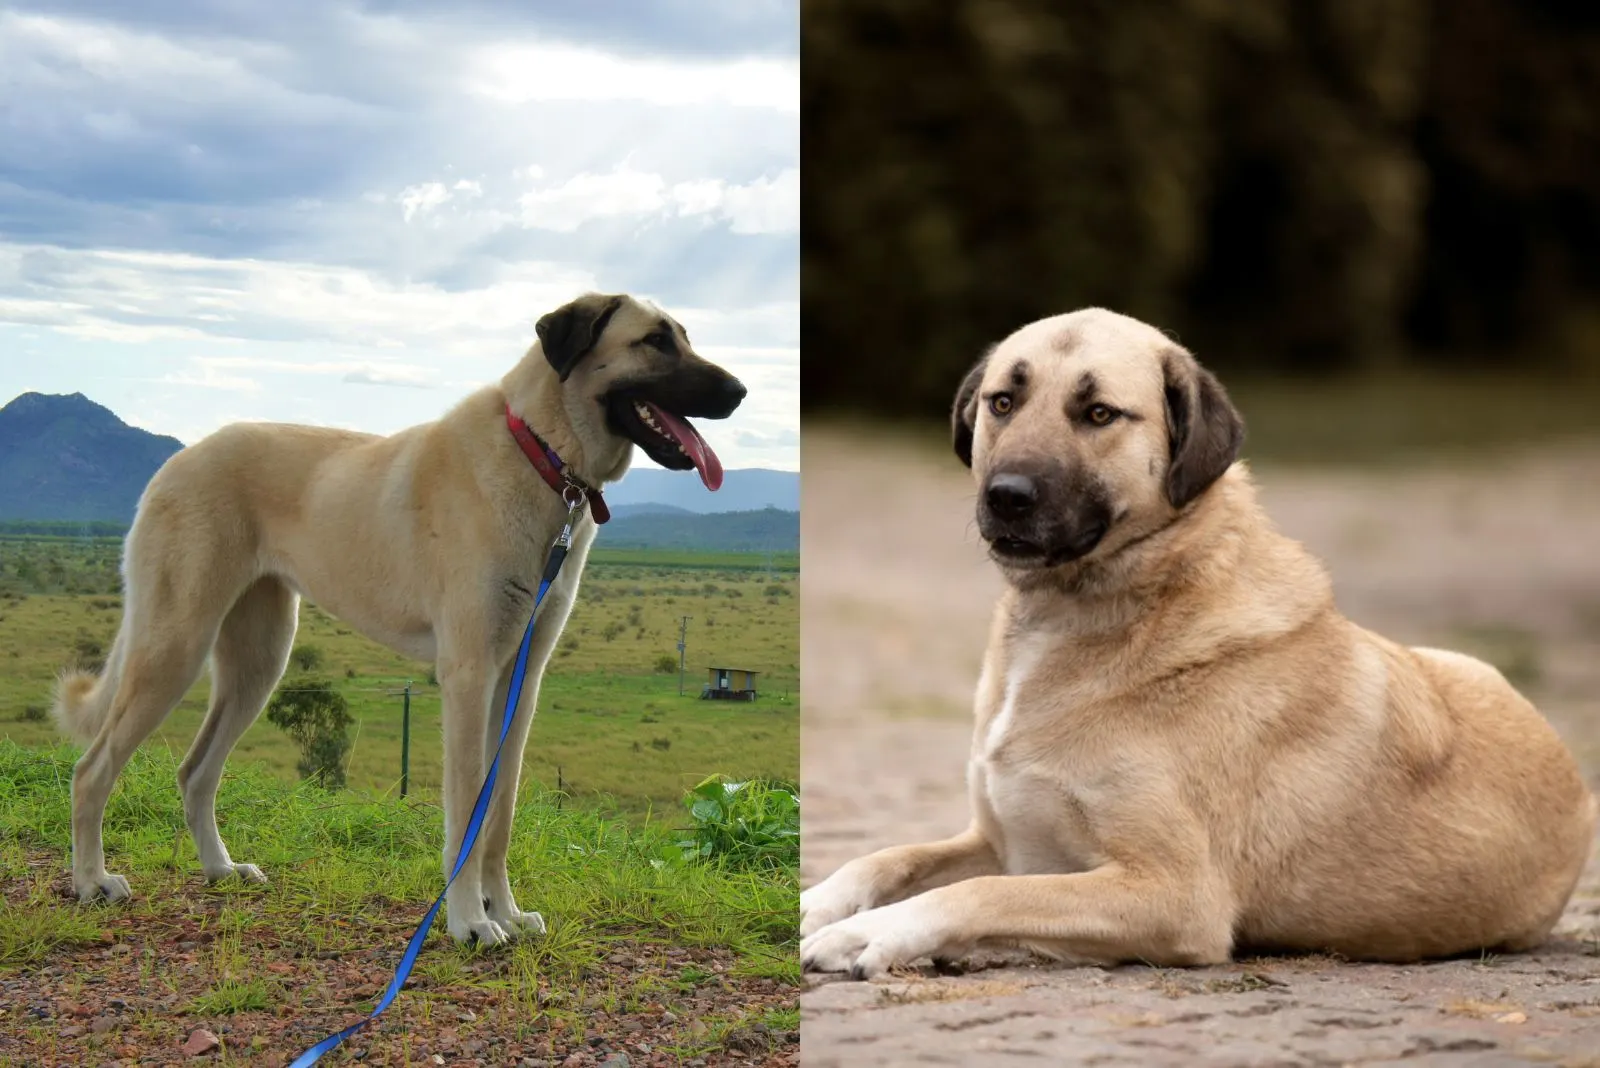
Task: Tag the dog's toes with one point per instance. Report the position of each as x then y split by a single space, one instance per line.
247 872
483 933
526 923
250 874
109 887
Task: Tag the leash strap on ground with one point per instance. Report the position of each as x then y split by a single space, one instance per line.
558 554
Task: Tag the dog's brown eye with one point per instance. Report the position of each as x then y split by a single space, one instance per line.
1000 404
1100 415
656 341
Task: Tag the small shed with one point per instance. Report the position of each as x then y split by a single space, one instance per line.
730 684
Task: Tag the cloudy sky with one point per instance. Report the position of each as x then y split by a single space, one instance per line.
352 213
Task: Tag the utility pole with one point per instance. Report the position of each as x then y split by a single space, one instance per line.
683 640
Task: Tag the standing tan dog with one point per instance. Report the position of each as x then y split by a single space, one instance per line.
431 542
1181 746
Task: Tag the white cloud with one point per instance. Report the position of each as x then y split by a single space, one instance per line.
422 198
379 376
214 211
521 73
766 205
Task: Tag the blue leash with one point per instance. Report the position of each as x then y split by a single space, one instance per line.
558 554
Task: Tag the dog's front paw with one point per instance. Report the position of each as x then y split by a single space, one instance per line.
839 896
106 886
870 943
519 922
484 932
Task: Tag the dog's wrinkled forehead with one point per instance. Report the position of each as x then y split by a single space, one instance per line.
1120 352
637 318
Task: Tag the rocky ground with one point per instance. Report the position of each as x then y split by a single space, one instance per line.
143 990
1500 558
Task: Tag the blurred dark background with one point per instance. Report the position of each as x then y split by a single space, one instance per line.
1309 193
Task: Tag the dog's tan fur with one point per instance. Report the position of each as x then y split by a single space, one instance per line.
429 541
1181 746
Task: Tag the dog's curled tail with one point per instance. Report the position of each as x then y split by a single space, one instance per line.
83 698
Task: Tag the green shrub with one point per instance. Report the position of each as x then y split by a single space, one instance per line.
752 824
318 718
306 657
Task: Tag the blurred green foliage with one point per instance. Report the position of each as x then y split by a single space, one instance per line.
1316 185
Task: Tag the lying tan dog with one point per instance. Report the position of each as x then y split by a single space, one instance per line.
431 542
1181 746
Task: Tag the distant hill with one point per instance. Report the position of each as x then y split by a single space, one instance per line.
620 511
767 530
743 490
68 458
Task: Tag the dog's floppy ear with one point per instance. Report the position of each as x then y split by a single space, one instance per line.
964 413
567 334
1204 429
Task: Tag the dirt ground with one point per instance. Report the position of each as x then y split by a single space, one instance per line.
1500 558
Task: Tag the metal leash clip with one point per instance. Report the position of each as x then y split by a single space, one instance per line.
574 495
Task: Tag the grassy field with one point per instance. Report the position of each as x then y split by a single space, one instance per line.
611 727
647 954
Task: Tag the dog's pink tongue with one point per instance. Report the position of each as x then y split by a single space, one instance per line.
705 460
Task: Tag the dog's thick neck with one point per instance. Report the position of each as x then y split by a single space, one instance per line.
571 424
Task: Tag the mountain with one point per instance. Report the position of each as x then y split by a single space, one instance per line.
66 457
743 490
622 511
767 530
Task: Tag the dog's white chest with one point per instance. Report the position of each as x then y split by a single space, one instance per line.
1017 792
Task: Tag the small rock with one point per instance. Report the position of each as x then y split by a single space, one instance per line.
597 1040
72 1031
118 1004
534 1062
632 1025
616 1060
102 1024
201 1042
436 1059
1512 1018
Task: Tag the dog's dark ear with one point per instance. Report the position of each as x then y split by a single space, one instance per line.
568 334
964 413
1204 429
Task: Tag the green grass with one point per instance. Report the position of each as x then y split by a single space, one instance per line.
611 730
350 874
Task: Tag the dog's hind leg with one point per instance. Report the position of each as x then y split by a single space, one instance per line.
162 660
249 658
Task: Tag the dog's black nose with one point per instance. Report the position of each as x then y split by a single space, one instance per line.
734 391
1011 496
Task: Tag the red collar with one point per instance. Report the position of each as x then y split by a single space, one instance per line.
551 469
